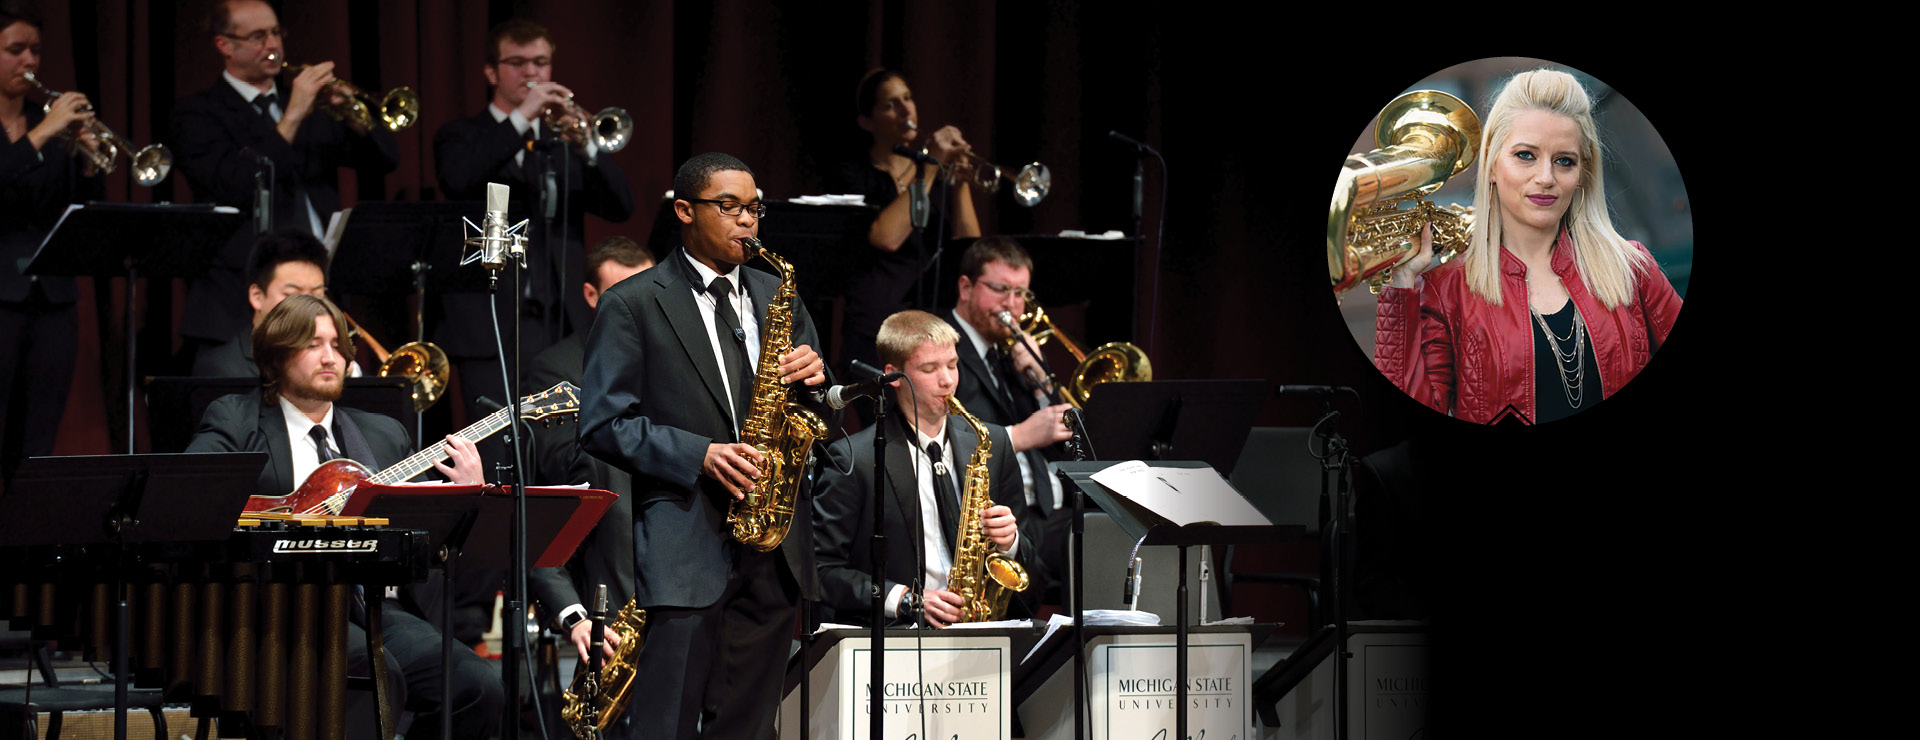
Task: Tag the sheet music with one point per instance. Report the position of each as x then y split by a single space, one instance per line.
336 227
1181 495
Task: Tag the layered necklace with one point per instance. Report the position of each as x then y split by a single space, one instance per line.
1572 363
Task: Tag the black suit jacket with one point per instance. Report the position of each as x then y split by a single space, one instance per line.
230 359
245 423
218 139
654 401
35 189
843 532
1006 405
606 555
470 152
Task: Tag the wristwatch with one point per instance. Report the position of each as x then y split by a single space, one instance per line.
572 618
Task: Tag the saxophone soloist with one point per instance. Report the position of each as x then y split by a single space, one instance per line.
776 425
982 576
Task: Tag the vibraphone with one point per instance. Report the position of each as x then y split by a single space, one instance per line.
251 630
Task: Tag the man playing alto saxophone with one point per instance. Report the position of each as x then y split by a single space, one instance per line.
928 452
669 367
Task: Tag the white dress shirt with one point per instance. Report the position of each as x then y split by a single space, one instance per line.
306 457
743 307
980 347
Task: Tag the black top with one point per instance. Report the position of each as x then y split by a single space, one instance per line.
885 281
35 189
1555 394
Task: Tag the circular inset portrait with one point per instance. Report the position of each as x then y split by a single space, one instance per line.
1510 241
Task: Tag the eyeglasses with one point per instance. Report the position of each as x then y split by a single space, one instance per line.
1001 289
259 37
733 208
535 62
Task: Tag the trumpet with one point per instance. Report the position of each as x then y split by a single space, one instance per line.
398 109
1029 187
611 128
1424 137
423 365
1113 362
150 165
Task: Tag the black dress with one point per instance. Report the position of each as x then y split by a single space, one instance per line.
884 282
1572 375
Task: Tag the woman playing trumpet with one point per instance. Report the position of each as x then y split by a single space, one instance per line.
38 321
885 109
1550 309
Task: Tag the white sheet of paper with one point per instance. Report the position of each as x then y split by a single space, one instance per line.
1182 495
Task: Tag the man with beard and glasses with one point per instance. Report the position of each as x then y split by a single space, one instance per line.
303 367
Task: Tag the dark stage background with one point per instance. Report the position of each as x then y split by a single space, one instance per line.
1559 553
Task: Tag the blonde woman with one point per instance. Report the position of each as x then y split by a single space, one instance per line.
1549 310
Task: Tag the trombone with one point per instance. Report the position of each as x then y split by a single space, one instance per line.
150 165
398 109
1113 362
611 128
423 365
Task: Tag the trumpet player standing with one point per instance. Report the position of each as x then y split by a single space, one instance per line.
249 126
509 143
38 321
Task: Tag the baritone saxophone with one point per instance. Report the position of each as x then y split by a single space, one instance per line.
984 577
776 425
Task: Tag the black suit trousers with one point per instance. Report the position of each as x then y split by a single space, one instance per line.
724 652
413 662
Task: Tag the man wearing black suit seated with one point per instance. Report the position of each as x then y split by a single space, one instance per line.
928 452
669 365
289 261
999 386
606 555
508 143
224 136
302 359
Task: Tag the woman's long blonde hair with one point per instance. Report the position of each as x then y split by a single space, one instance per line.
1608 264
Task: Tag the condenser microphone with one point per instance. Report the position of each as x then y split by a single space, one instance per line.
913 154
493 239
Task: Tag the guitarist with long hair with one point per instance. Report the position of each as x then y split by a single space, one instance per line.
303 358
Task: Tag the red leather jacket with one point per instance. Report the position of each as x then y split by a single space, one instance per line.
1454 352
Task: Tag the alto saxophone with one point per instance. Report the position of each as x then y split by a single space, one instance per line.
779 428
982 575
594 700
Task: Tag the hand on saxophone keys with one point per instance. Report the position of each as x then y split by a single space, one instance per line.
802 364
735 465
942 607
582 638
998 522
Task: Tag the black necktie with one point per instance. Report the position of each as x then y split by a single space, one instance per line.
264 102
526 158
319 435
733 346
945 496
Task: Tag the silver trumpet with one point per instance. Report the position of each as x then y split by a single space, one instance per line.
150 164
611 128
1029 187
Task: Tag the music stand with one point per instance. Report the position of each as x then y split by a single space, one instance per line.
158 240
1150 528
1205 420
122 500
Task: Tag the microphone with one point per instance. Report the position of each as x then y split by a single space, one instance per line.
840 395
914 154
1125 139
493 240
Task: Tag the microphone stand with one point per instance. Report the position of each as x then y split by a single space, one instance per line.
1140 150
876 672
